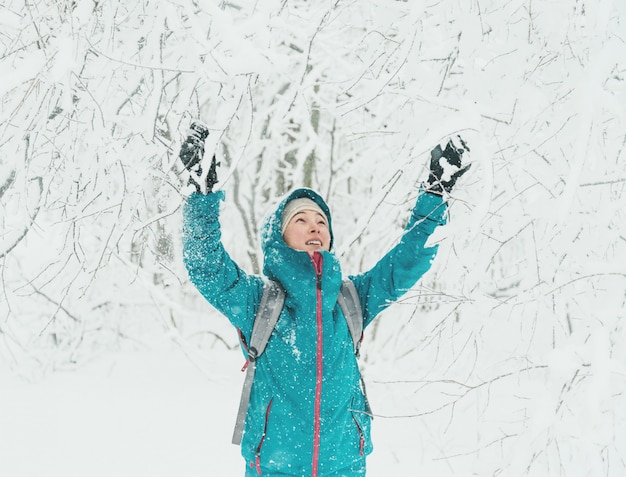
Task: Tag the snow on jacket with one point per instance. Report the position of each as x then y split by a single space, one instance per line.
307 413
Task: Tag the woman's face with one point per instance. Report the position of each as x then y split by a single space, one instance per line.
307 231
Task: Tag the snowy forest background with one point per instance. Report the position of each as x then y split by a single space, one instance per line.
507 359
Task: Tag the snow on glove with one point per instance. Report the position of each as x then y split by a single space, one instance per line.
191 155
439 180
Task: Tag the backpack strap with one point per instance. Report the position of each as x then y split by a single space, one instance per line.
267 314
351 306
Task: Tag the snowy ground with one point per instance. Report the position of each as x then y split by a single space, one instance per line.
145 414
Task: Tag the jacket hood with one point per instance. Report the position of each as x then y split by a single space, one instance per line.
271 233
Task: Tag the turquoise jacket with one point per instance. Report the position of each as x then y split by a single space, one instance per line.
307 413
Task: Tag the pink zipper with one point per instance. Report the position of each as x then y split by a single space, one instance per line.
317 260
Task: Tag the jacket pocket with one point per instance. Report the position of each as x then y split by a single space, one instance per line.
362 423
257 452
361 435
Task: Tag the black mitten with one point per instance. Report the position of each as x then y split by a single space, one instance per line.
453 155
191 155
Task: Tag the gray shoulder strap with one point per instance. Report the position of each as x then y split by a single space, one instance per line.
351 306
271 305
266 318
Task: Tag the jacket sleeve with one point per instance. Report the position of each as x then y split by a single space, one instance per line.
404 264
216 276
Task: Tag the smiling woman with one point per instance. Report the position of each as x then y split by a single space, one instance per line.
305 412
307 229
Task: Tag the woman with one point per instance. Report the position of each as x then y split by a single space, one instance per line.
307 414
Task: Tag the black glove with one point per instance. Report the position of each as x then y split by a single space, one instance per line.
191 154
453 155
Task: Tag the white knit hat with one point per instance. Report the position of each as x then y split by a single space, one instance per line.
298 205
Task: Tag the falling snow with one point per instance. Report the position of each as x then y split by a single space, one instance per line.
506 359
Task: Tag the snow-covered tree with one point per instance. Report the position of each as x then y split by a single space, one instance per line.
508 352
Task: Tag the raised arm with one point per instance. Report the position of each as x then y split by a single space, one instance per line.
407 262
216 276
404 264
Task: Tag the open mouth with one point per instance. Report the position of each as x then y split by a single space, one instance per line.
314 242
